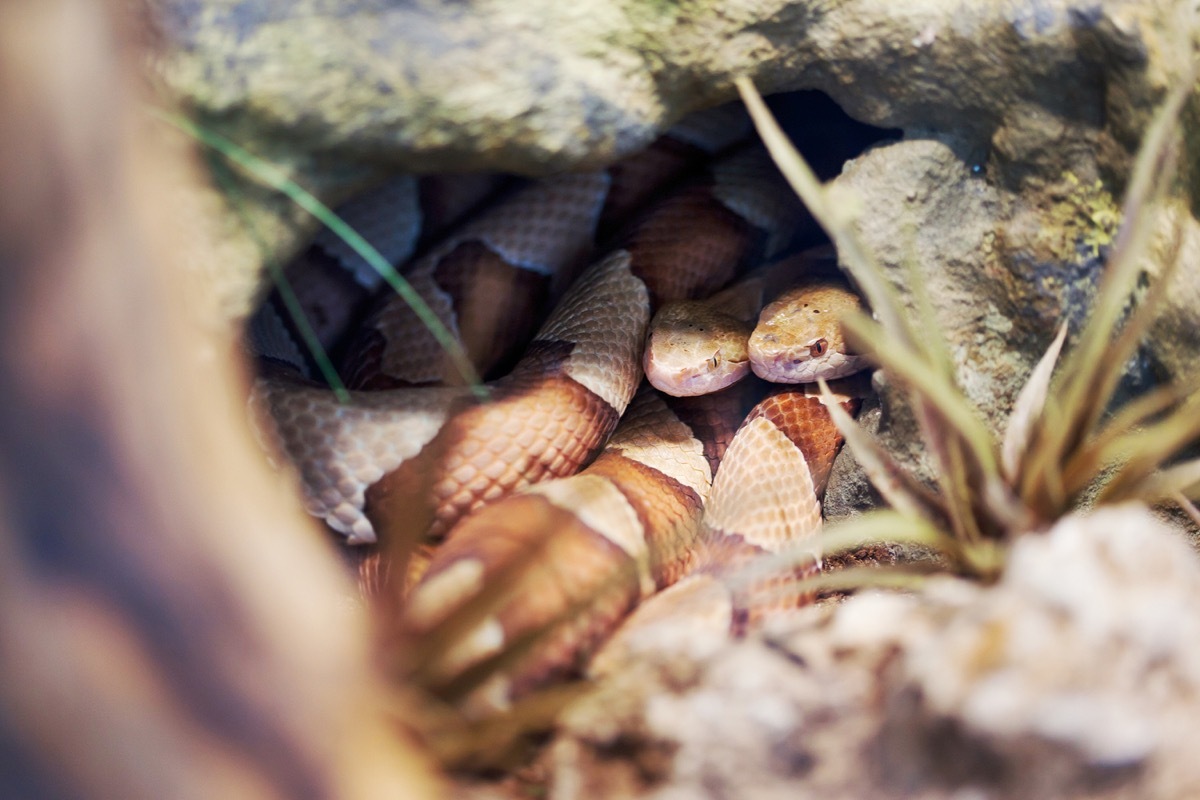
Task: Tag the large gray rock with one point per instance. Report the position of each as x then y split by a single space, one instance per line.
1077 675
540 85
1043 96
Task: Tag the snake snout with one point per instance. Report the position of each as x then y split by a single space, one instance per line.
804 364
782 366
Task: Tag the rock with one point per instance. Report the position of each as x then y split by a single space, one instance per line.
1002 269
1175 337
1088 642
1034 94
1076 675
540 86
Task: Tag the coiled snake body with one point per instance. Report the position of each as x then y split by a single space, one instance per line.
490 482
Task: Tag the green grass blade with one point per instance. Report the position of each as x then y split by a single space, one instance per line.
290 302
307 334
272 176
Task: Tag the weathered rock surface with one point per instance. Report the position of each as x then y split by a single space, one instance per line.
1045 98
1002 268
1077 675
537 86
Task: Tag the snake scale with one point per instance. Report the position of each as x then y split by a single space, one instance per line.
603 498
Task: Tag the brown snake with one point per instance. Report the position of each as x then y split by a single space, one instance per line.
430 462
359 460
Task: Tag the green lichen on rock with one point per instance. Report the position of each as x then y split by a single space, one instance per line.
1084 221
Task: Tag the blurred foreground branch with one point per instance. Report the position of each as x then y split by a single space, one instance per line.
170 626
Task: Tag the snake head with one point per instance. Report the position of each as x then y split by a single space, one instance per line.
695 349
799 338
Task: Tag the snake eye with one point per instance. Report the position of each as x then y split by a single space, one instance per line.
818 348
715 361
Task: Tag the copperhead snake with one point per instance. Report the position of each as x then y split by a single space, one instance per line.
505 474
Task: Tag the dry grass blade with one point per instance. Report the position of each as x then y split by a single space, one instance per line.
937 389
1135 328
1039 483
935 347
890 527
1168 483
458 686
424 657
1188 507
1070 476
880 526
979 504
1052 479
1118 437
1004 508
956 476
836 222
499 741
899 488
1028 408
961 464
1095 364
428 655
960 439
1148 448
847 580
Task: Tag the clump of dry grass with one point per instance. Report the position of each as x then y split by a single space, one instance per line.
1060 443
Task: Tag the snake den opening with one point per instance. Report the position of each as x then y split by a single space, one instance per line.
504 400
